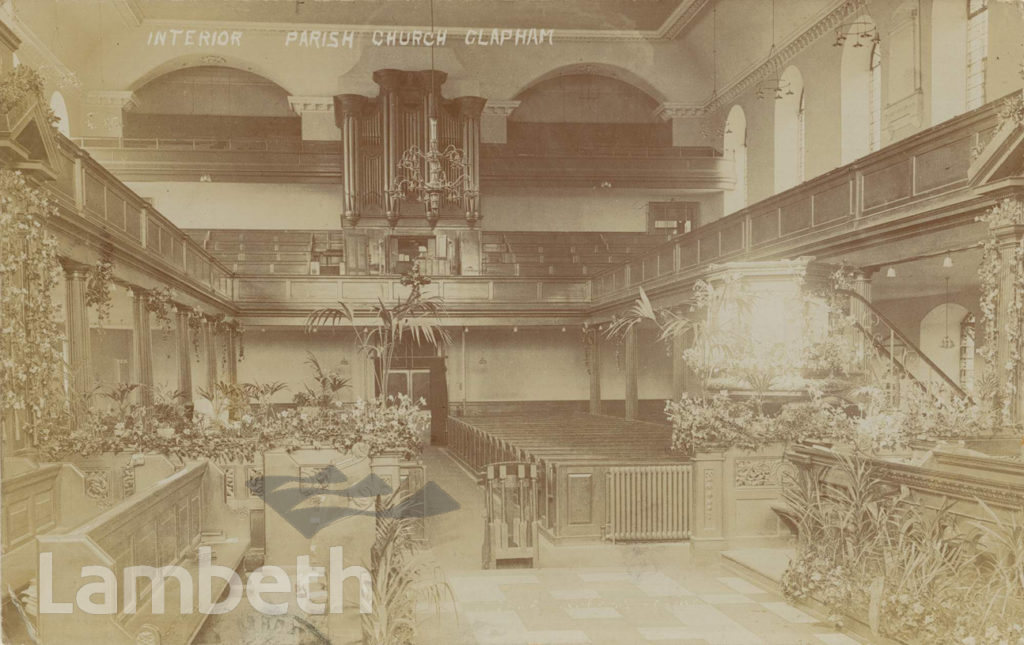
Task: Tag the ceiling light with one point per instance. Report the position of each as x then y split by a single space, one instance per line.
891 273
515 330
947 262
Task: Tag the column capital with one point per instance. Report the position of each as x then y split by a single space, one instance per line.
500 108
390 79
348 105
668 111
74 270
430 79
300 104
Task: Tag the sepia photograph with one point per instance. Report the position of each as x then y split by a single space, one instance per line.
512 322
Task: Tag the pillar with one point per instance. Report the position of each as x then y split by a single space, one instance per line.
142 347
211 355
682 378
593 348
494 121
184 356
469 109
1008 237
318 117
104 115
232 352
77 321
630 351
860 312
707 521
348 110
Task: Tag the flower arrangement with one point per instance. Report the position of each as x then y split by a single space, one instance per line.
160 302
23 82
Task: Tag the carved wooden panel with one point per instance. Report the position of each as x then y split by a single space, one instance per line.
887 185
732 238
764 227
943 165
796 216
832 204
580 498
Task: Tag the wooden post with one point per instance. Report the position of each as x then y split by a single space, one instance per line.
184 359
142 347
594 349
632 399
1008 238
77 321
211 355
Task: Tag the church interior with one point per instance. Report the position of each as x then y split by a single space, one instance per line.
590 321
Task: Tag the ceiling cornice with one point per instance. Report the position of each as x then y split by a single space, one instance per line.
130 12
681 18
300 104
828 19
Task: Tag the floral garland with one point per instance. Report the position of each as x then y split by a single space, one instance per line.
31 388
588 336
99 286
195 328
160 302
1008 212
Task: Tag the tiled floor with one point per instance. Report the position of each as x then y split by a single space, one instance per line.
700 602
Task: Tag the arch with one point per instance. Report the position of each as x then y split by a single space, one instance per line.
205 60
789 131
212 89
861 102
934 328
586 98
734 145
598 69
60 110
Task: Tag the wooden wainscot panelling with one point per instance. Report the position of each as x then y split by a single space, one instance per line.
470 290
650 266
942 166
667 260
732 238
887 184
94 197
832 204
795 216
580 498
261 290
636 272
116 210
133 222
708 246
431 290
564 290
314 290
688 255
364 290
764 227
522 291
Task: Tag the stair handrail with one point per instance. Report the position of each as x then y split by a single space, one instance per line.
956 389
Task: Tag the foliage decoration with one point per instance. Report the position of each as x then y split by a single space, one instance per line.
21 83
329 383
99 286
32 366
414 319
160 302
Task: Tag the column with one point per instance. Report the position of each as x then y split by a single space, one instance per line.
390 81
682 378
593 348
142 347
860 312
469 110
232 352
318 117
211 355
494 121
77 321
104 116
686 123
1008 237
348 110
630 351
184 357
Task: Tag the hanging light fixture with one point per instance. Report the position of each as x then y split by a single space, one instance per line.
861 30
432 176
774 85
947 342
891 273
718 131
947 262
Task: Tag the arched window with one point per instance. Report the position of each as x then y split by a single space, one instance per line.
60 109
977 51
861 88
735 147
875 97
789 131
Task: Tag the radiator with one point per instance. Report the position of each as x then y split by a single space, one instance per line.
649 502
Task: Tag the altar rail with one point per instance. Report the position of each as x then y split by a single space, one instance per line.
890 182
